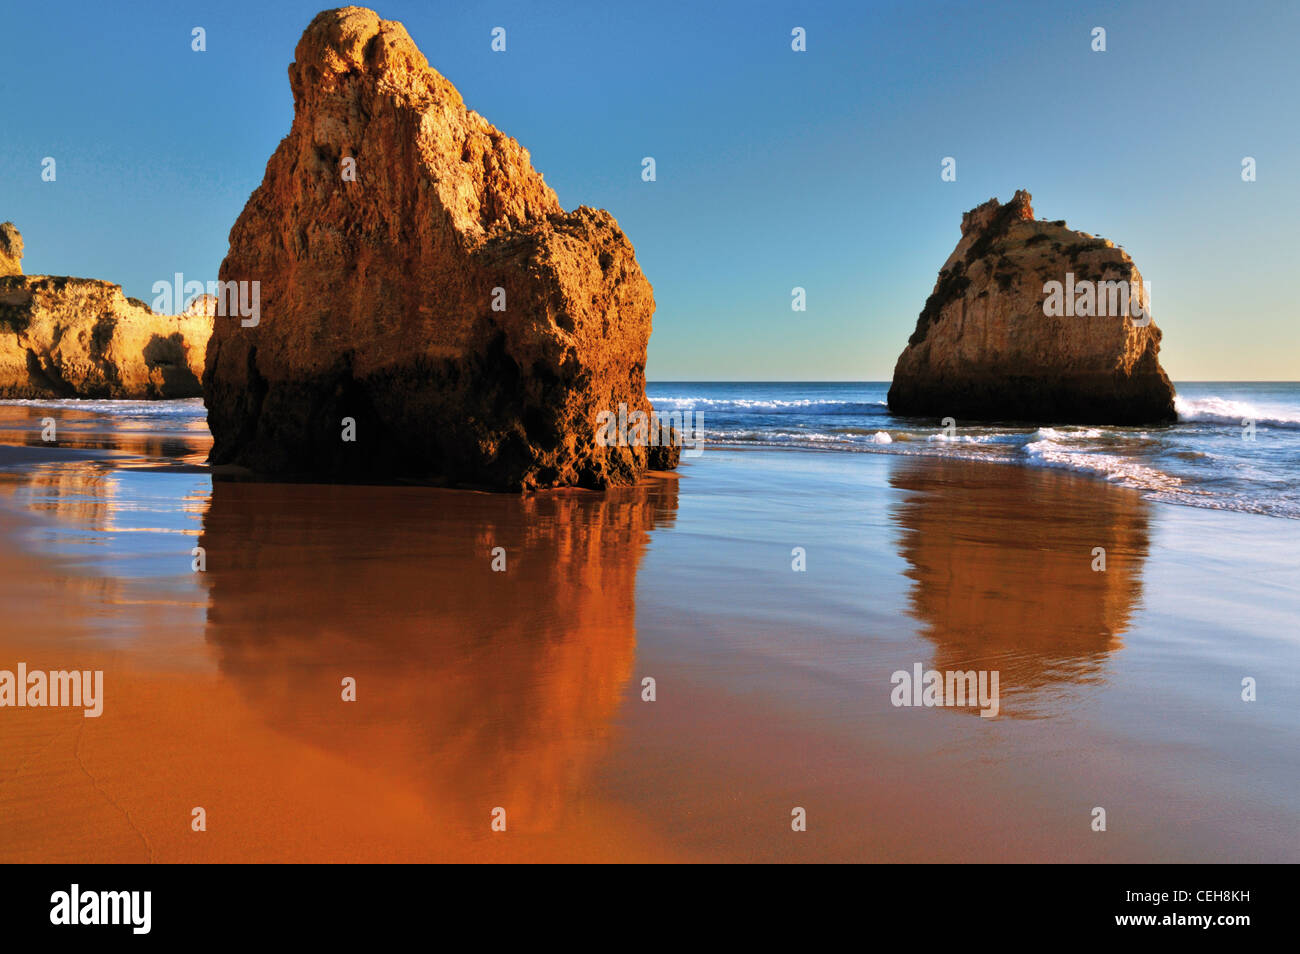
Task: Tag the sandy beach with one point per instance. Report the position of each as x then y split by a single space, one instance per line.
522 689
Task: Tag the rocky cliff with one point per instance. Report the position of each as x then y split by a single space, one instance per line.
419 278
79 337
998 341
11 250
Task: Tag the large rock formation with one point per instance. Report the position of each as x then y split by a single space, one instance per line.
985 347
418 276
79 337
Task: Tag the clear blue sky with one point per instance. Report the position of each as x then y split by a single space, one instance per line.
775 168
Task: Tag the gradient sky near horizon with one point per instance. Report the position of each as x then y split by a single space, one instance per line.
775 169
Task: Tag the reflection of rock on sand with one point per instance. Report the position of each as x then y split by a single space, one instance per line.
477 688
162 440
83 492
1001 563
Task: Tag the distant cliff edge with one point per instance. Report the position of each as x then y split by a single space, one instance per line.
82 338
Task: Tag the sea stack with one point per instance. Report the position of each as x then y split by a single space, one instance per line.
82 338
427 308
1031 321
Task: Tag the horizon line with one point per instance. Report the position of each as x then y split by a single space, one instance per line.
890 381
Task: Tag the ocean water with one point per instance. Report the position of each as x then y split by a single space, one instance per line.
1210 458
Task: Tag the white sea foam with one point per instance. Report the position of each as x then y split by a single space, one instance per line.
1216 410
1121 470
1052 434
943 437
189 407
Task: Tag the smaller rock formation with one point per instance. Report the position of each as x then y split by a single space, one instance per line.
997 341
82 338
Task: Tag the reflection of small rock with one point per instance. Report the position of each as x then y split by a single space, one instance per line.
1015 545
984 348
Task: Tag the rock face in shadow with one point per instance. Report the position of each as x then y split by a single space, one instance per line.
985 349
82 338
418 276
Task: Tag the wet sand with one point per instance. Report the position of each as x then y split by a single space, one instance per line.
521 689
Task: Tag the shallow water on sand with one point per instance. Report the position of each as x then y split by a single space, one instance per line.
523 689
1235 446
